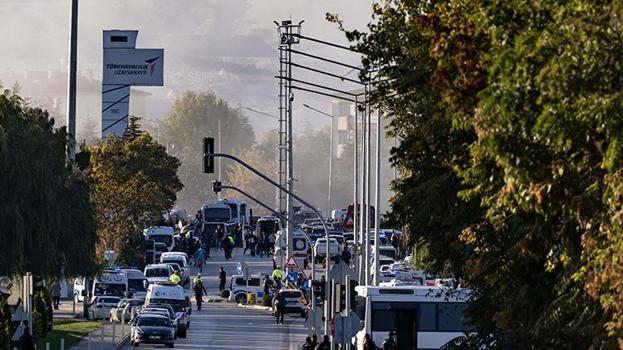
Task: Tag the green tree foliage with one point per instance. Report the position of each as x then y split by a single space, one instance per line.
510 158
134 182
6 330
47 221
195 115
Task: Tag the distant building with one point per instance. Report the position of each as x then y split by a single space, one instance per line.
48 89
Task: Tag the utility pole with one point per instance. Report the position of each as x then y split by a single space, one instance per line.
377 200
71 90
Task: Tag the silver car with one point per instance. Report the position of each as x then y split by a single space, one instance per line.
130 307
100 307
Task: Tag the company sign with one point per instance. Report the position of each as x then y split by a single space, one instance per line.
134 67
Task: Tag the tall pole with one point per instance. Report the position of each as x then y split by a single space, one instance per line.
364 242
330 168
368 197
290 164
356 236
377 200
71 92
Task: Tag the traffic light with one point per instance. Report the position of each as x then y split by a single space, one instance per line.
353 294
216 186
340 297
208 161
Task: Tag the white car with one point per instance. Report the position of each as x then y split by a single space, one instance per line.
295 302
179 258
100 308
129 306
320 248
158 272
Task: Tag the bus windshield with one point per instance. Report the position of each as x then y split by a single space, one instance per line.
166 239
216 215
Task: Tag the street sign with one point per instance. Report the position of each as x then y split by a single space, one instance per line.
291 263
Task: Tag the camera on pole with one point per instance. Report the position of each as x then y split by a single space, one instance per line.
208 159
216 186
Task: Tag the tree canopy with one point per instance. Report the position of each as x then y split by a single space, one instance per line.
134 182
47 221
508 113
195 115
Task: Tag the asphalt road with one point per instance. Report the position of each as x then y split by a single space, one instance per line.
227 326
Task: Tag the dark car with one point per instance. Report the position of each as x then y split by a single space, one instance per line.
152 329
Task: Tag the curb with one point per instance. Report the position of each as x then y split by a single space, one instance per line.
125 340
254 307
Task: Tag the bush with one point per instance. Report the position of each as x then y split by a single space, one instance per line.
6 330
42 314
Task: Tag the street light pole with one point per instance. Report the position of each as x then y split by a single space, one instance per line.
71 93
330 152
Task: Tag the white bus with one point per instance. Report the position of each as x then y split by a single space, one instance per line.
238 210
424 317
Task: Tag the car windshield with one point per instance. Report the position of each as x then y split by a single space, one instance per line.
109 300
154 322
216 214
177 305
292 294
110 289
136 285
166 239
157 272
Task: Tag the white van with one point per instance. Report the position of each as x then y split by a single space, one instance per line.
239 287
171 294
110 283
179 258
137 282
320 248
162 234
158 272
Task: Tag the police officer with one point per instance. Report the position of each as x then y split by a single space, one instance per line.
175 278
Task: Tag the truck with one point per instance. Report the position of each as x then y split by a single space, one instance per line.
213 216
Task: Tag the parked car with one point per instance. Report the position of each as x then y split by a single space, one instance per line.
130 307
152 329
100 307
295 302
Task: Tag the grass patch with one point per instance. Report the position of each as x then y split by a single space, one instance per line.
72 331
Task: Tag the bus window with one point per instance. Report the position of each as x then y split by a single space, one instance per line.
427 317
451 317
383 320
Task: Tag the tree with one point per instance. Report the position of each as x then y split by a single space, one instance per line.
195 115
134 182
261 157
508 116
47 222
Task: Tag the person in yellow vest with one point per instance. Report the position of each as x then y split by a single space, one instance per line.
175 278
277 273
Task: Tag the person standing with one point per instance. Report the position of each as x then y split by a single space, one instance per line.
280 307
222 276
200 291
219 234
308 344
253 242
390 343
368 343
200 257
325 344
56 294
247 243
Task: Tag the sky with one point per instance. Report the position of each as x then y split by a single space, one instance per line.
227 46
